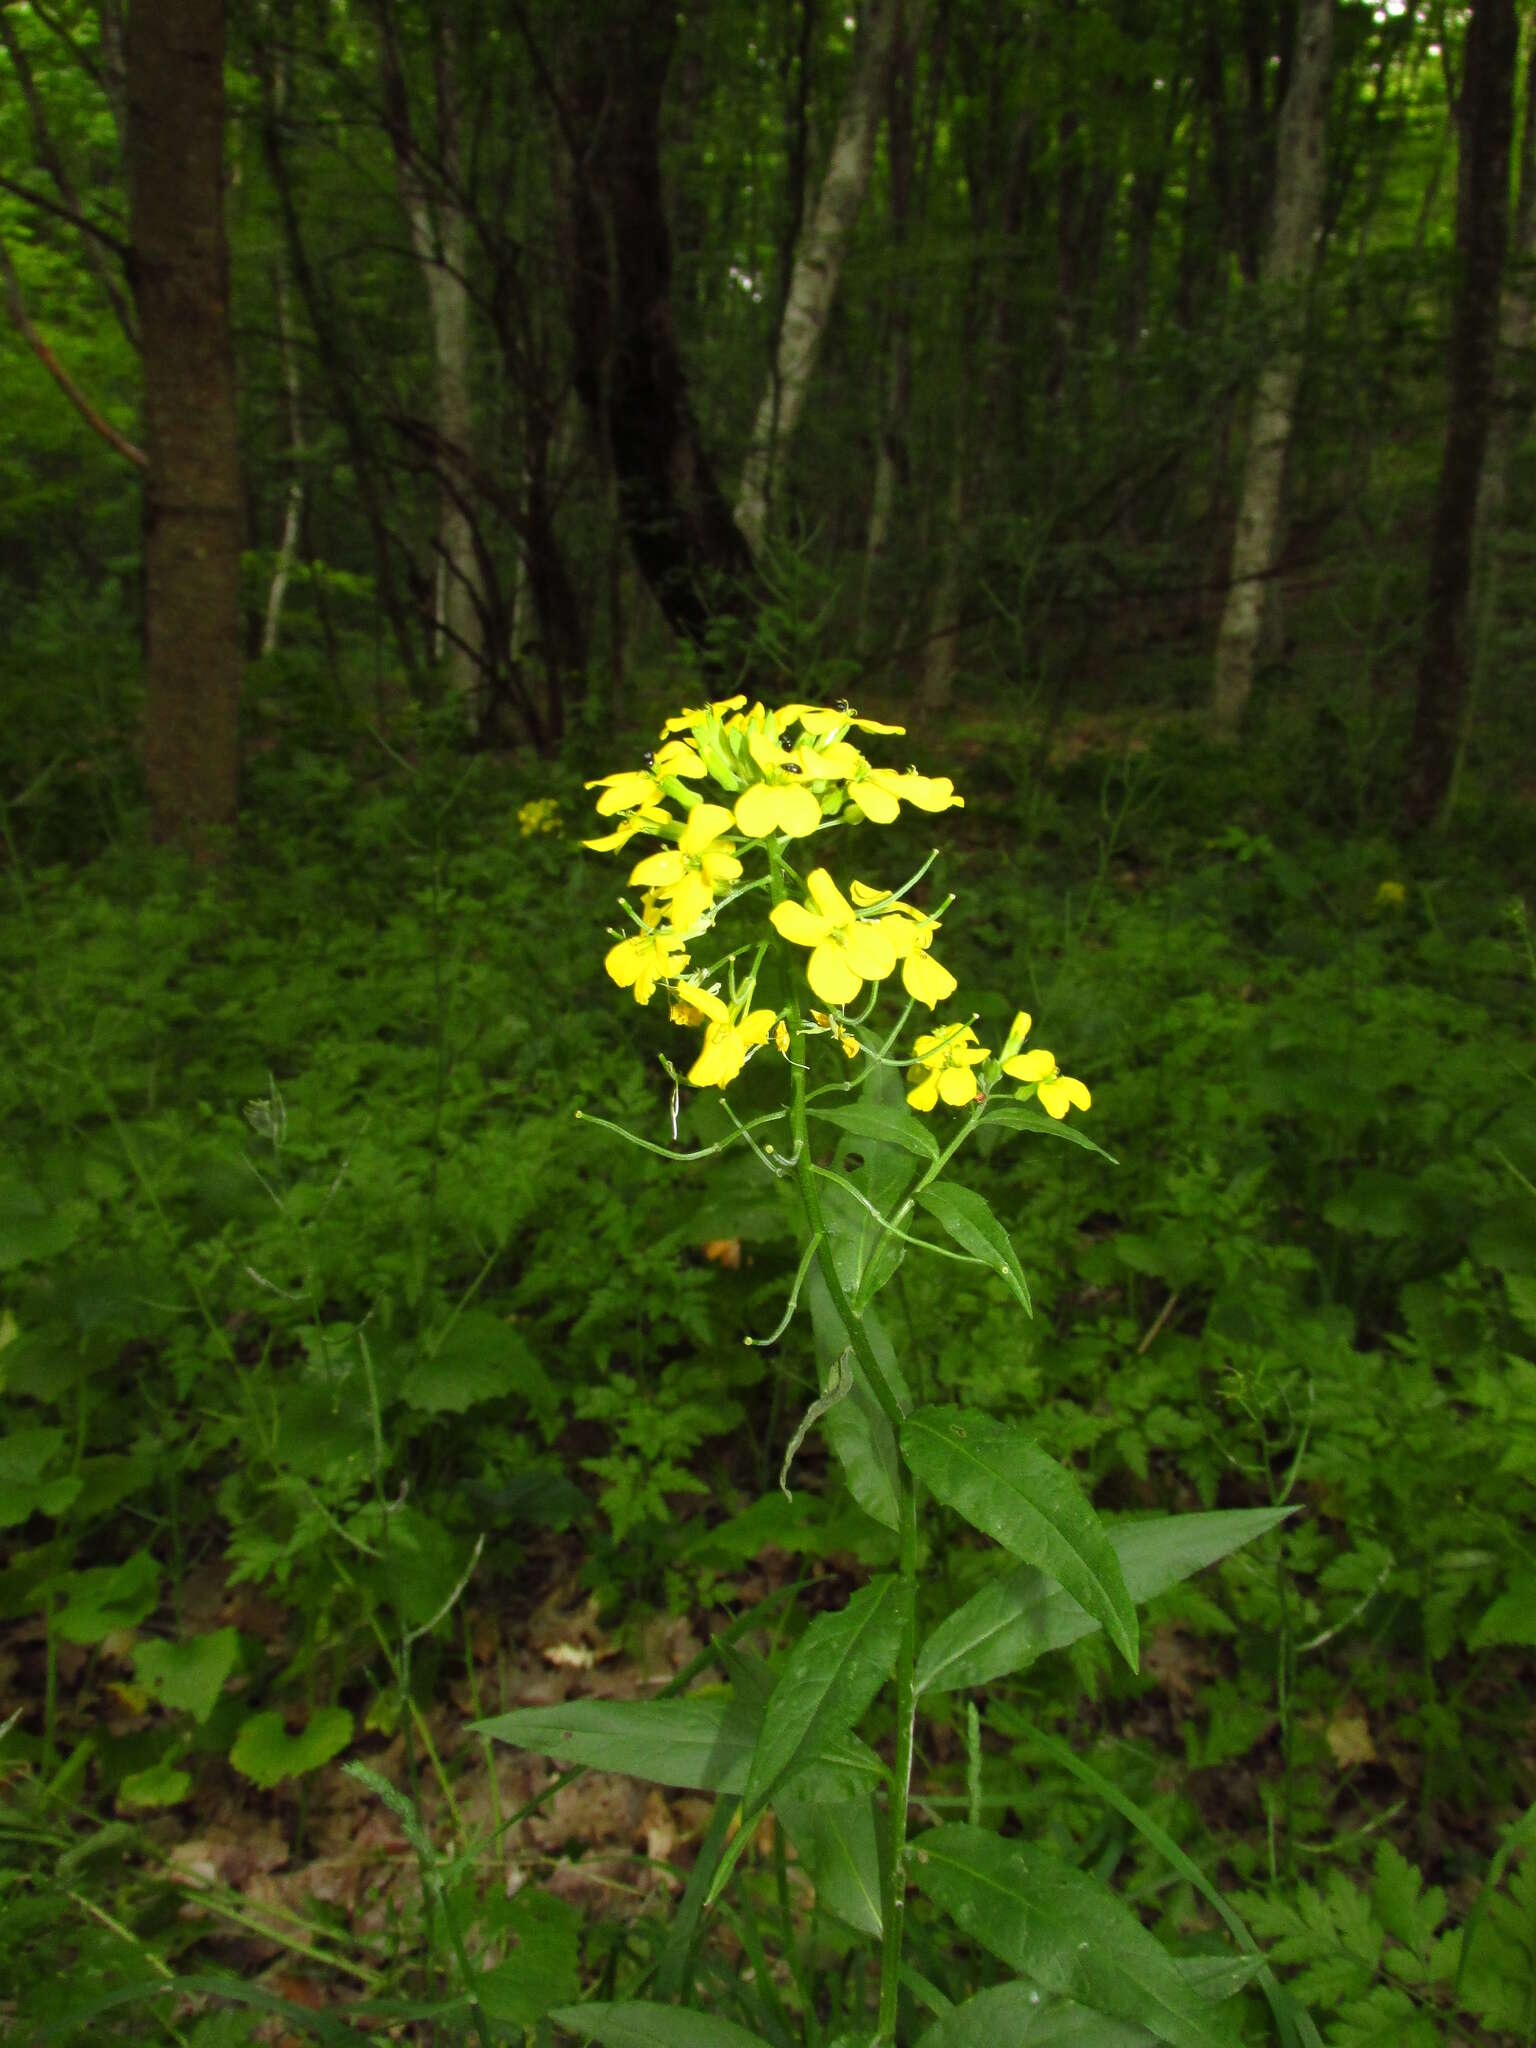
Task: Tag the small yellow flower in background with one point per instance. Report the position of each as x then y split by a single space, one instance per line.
845 952
910 932
1055 1091
947 1058
781 1037
541 815
687 877
731 1033
645 958
1391 896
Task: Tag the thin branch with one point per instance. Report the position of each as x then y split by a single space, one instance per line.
50 362
75 219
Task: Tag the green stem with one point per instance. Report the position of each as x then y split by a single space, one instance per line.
893 1889
893 1884
810 1194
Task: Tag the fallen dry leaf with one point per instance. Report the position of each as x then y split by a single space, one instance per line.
1348 1735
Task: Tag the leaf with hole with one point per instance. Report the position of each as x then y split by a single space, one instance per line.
266 1753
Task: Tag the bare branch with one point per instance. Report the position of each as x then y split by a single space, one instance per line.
16 307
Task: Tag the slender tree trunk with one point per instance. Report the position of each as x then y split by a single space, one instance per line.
440 237
818 265
891 462
293 507
340 380
1486 118
439 231
629 370
1512 406
1299 178
175 162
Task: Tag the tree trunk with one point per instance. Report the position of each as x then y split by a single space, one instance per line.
818 264
1299 178
1485 115
629 371
293 508
439 231
1512 406
891 460
192 536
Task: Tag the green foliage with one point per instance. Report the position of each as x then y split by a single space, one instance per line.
309 1269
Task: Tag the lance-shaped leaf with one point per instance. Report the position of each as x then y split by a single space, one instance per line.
1018 2014
1021 1116
883 1126
1063 1929
970 1222
1005 1485
705 1745
1019 1617
838 1844
637 2025
832 1674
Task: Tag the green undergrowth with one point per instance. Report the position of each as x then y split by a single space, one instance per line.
316 1285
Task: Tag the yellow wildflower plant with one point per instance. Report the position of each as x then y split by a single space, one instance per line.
732 1032
910 932
688 877
728 799
948 1058
644 959
1055 1091
778 775
880 793
649 818
846 951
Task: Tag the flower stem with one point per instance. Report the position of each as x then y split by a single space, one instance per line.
893 1877
893 1887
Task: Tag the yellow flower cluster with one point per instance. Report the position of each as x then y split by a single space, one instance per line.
780 776
541 815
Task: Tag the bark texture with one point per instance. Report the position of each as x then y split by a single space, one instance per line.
1299 178
818 264
193 501
629 370
1486 119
